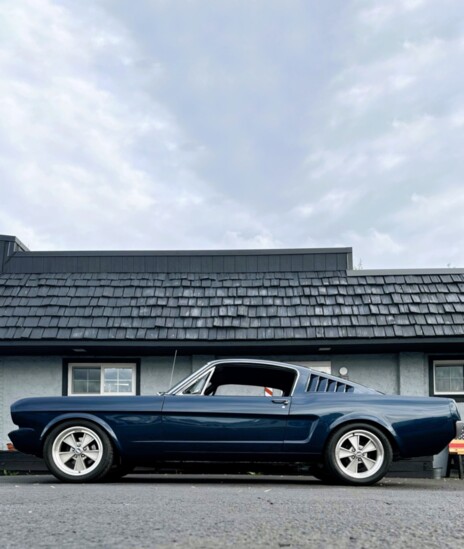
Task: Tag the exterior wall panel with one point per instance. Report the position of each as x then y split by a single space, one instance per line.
308 263
245 261
319 262
156 373
379 371
26 377
413 372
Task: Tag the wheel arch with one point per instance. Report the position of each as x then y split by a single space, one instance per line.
63 418
376 422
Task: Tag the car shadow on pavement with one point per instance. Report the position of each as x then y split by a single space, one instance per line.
390 483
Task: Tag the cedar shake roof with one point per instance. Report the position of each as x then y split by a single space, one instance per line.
302 295
230 306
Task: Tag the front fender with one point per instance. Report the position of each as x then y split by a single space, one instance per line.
89 417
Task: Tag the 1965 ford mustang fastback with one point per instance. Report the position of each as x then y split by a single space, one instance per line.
237 410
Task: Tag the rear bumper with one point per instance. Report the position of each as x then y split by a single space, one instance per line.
459 430
26 440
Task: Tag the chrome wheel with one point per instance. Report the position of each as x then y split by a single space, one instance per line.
77 451
359 454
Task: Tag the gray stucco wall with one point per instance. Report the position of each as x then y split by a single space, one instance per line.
23 377
413 371
161 373
20 377
377 371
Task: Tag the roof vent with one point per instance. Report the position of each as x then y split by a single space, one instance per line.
322 384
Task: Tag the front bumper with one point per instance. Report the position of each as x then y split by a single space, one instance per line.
26 440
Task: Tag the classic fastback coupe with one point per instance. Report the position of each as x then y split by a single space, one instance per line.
237 410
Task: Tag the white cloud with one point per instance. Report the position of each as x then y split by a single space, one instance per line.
237 240
374 244
421 211
411 67
392 129
390 160
69 132
305 210
88 157
333 203
381 12
115 135
28 235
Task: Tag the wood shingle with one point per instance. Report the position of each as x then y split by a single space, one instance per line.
239 306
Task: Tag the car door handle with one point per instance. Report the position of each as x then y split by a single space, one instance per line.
280 401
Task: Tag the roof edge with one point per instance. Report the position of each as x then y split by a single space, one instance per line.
326 345
380 272
15 240
171 261
180 253
9 246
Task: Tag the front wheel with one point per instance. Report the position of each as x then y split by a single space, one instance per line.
78 451
358 454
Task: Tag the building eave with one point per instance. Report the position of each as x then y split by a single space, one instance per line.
322 347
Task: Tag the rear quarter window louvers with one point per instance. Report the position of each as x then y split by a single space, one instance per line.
321 384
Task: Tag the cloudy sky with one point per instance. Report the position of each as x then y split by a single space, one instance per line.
198 124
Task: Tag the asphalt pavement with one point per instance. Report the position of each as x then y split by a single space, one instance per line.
157 511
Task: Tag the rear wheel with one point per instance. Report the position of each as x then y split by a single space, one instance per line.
78 451
320 472
358 454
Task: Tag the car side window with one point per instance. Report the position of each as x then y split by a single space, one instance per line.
250 380
246 390
242 379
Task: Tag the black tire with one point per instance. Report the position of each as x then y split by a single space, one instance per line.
78 451
118 471
358 454
321 473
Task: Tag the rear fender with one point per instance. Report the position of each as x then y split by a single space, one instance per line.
89 417
366 418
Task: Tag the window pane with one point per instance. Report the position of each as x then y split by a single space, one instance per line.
86 380
449 378
125 373
441 372
118 380
245 390
442 386
79 373
197 387
111 374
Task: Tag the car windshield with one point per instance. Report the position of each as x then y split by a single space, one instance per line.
179 384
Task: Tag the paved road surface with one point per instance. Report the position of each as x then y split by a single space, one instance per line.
146 511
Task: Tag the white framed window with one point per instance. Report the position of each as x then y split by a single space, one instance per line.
101 379
448 377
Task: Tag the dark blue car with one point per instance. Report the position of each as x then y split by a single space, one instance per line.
237 410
